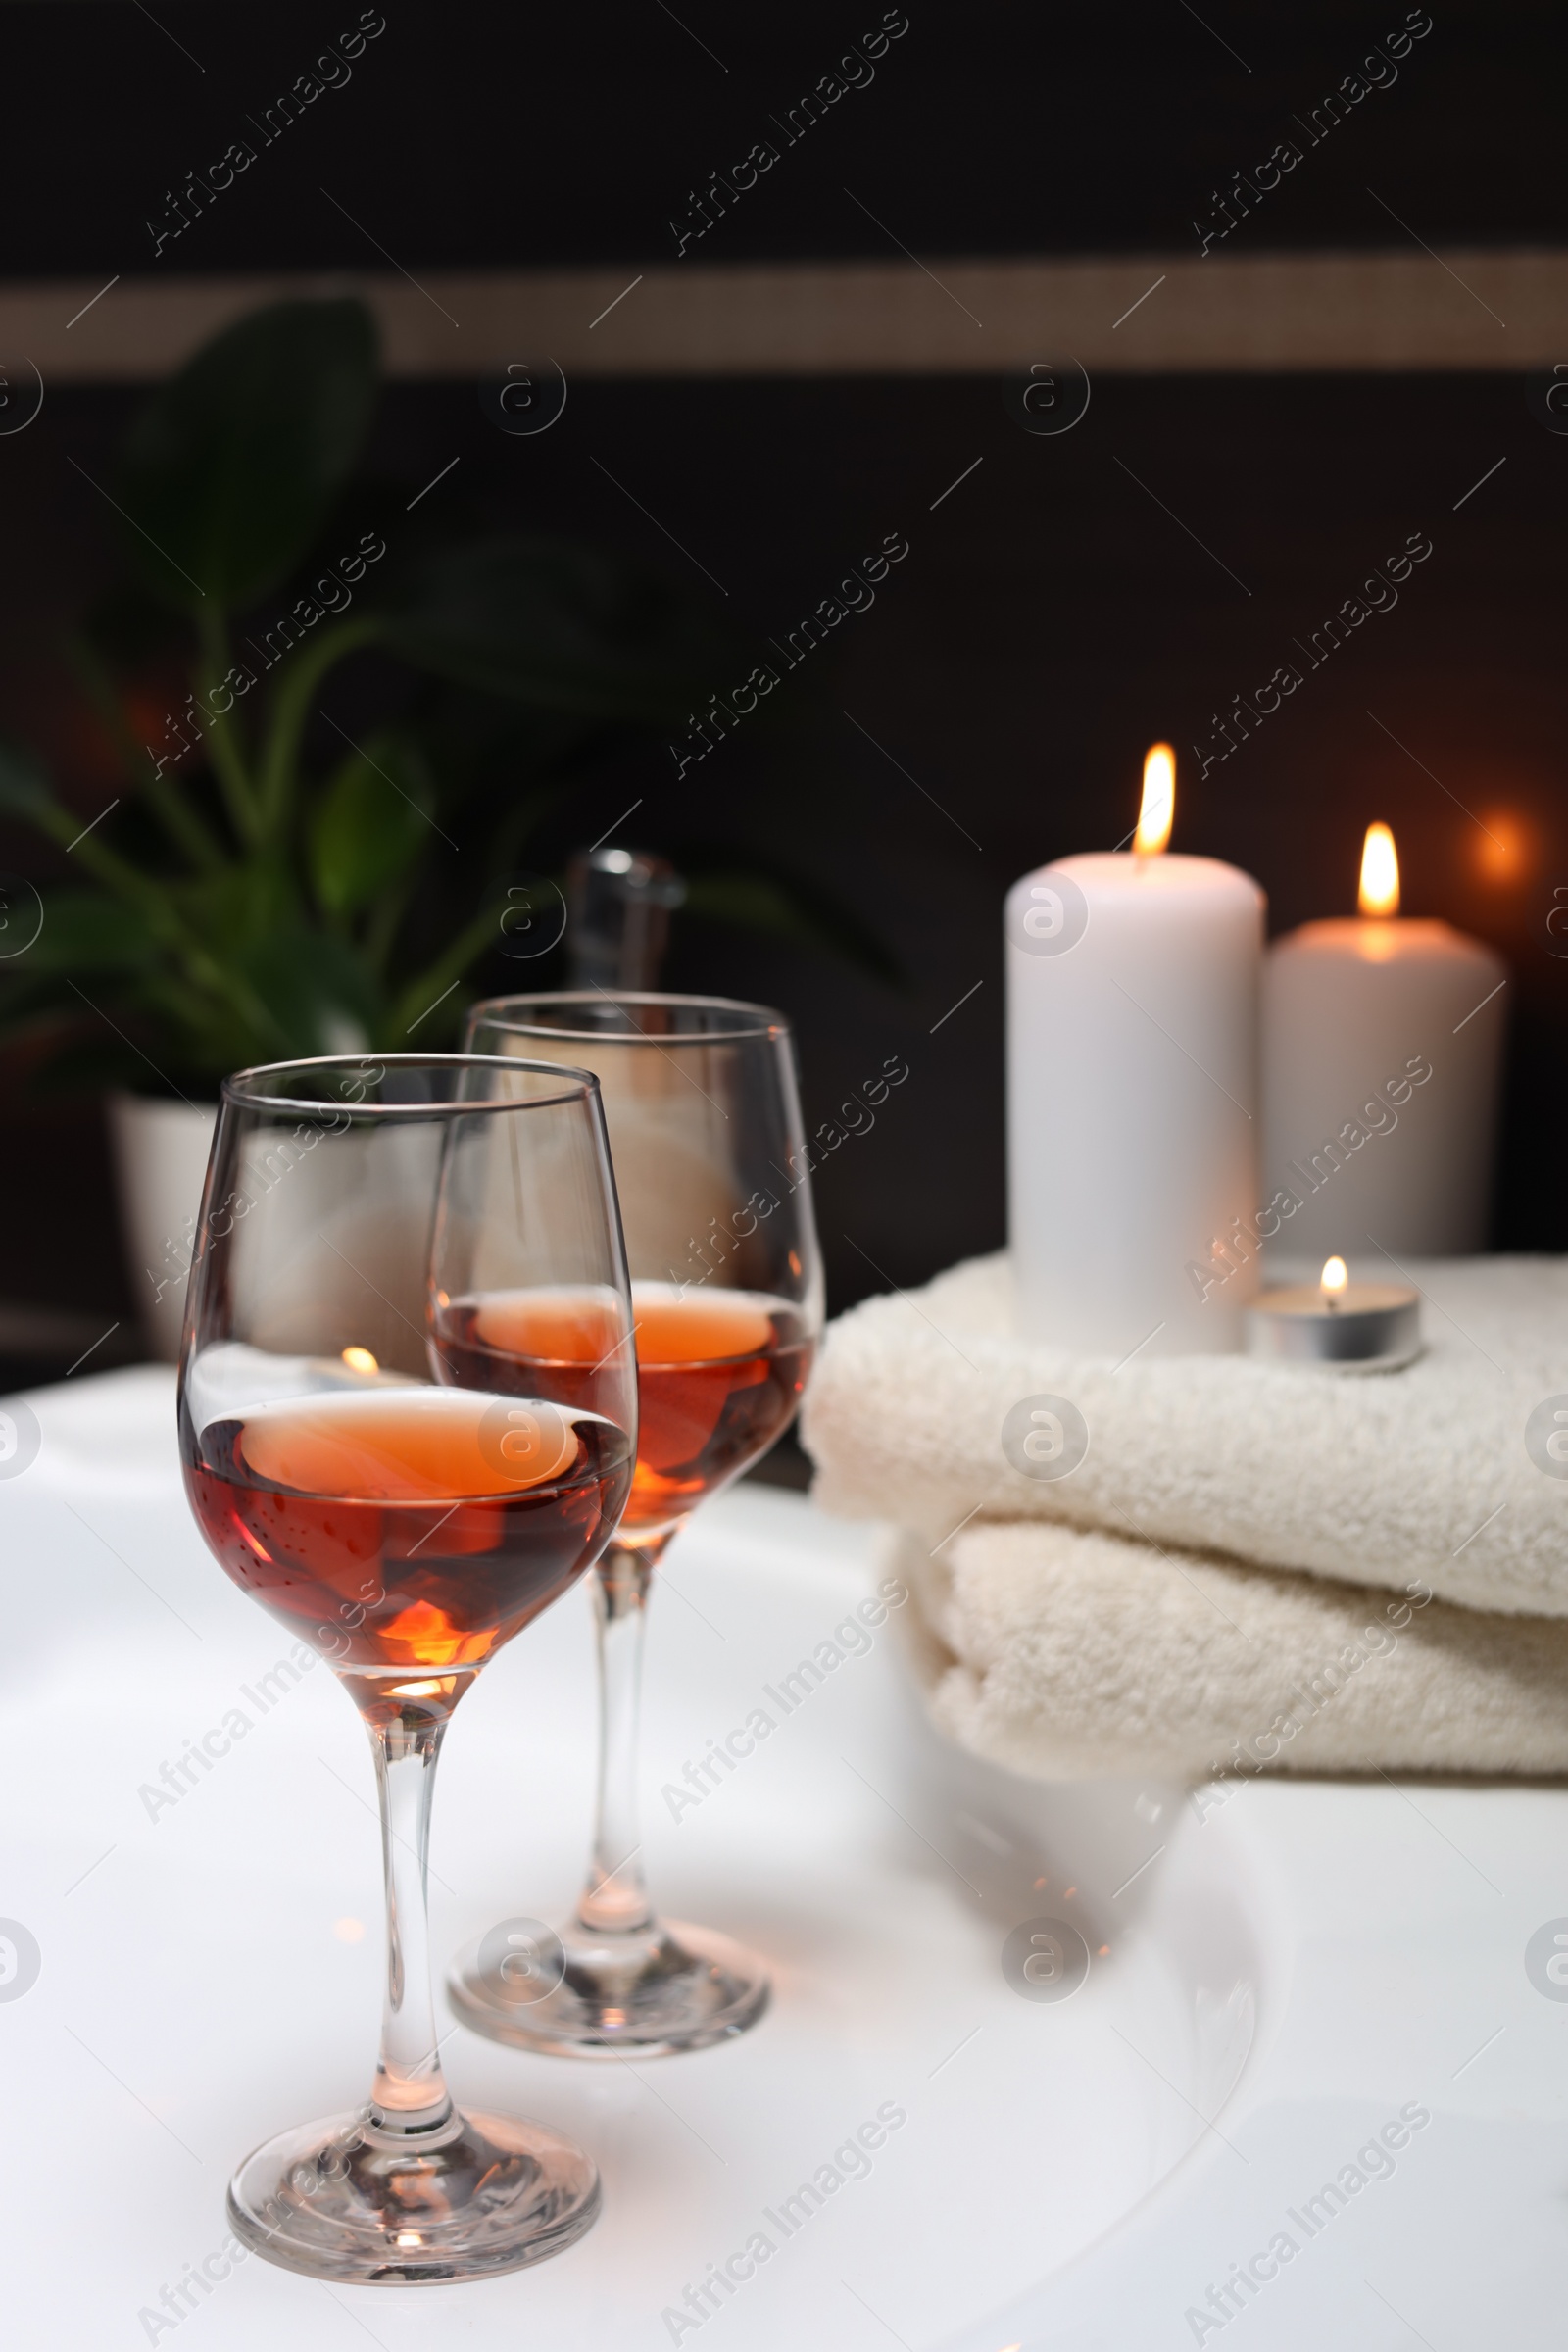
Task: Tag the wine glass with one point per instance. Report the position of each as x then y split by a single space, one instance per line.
406 1528
710 1166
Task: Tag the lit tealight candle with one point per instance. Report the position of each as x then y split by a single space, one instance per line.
1336 1325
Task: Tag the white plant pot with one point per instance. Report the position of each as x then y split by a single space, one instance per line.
160 1151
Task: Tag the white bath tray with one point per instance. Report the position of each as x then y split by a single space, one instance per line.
1270 1984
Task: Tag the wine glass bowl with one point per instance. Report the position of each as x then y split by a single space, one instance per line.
712 1178
719 1376
406 1521
385 1524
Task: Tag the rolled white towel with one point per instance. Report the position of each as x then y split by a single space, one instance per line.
1066 1655
1418 1473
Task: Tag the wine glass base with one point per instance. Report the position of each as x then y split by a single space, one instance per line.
652 1992
486 2193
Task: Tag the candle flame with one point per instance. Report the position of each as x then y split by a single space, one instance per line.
1333 1279
1159 807
359 1359
1380 873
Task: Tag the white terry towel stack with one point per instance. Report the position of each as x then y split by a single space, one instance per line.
1252 1565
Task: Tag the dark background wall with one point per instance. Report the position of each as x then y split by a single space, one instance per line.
1051 618
494 137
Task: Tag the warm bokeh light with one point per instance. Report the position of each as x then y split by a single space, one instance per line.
1333 1279
1157 809
1505 845
359 1359
1380 873
348 1931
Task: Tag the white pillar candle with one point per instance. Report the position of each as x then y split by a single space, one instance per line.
1132 1060
1382 1045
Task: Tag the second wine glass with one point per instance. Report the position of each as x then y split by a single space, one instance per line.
704 1128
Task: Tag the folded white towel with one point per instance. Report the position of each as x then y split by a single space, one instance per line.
1067 1656
1419 1473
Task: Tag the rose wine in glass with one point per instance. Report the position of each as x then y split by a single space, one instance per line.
700 1104
719 1376
392 1486
406 1526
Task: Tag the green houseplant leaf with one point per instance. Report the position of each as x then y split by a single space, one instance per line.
231 467
767 898
556 625
370 823
319 996
83 931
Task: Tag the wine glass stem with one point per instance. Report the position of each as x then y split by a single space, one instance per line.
616 1897
410 2096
